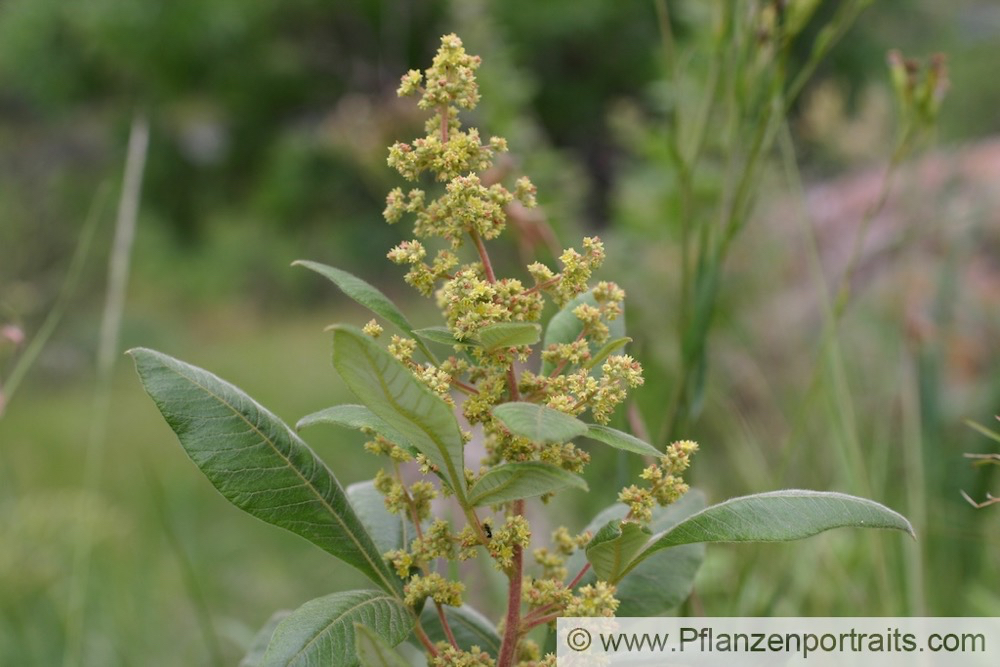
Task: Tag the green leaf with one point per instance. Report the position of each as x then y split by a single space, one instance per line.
776 517
389 531
373 651
508 334
389 389
469 627
258 645
614 546
621 440
441 335
355 417
513 481
257 462
609 348
539 423
564 327
665 579
364 293
321 632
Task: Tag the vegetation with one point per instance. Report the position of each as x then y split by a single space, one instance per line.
528 422
840 338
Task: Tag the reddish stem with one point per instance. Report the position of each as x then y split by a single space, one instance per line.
425 640
484 257
444 624
444 123
541 286
461 386
541 621
512 625
579 576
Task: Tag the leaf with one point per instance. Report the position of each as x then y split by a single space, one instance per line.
665 579
355 417
469 627
609 348
441 335
258 645
321 632
257 462
776 517
539 423
389 531
614 546
508 334
372 650
389 389
564 327
364 293
513 481
621 440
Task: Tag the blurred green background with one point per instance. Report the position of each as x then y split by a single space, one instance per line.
268 127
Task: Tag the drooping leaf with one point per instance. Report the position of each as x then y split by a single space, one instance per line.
389 531
440 335
664 580
609 348
621 440
257 462
614 546
776 517
469 627
389 389
513 481
508 334
321 632
255 654
564 327
539 423
355 417
373 651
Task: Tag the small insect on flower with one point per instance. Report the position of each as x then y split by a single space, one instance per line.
488 530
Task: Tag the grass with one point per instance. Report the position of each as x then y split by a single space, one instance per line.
163 539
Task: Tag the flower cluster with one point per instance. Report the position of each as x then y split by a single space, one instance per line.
663 482
581 371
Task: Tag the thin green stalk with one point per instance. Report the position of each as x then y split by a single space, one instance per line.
829 354
188 573
118 270
66 291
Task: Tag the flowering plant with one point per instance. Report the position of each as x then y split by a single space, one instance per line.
526 415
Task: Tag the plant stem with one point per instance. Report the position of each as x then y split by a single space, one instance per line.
418 630
107 351
484 257
540 621
512 629
579 576
444 624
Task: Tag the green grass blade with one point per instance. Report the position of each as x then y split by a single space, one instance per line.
257 462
